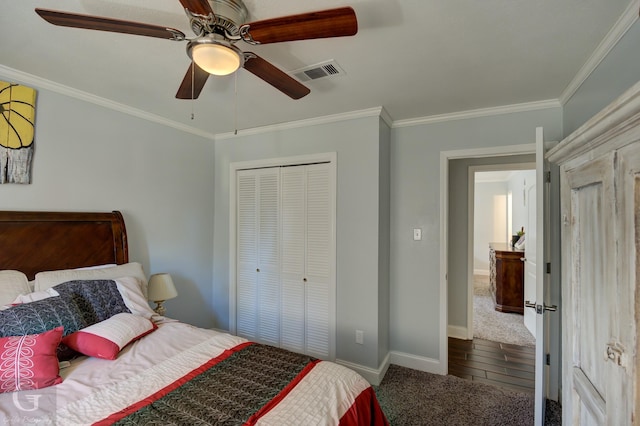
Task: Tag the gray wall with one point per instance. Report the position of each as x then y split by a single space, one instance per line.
614 75
358 145
89 158
415 202
384 228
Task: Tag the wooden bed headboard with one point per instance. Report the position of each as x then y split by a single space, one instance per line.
44 241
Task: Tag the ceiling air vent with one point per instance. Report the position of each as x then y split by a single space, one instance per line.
321 70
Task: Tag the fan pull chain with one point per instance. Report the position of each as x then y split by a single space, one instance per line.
235 103
193 72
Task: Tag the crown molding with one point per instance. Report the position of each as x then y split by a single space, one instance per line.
476 113
384 115
42 83
370 112
624 23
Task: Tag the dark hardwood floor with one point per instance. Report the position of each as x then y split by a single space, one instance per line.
500 364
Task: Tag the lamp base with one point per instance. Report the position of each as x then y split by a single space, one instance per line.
159 309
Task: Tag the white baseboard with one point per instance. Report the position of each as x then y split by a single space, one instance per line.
457 332
373 376
481 272
430 365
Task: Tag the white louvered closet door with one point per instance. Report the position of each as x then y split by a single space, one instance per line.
308 286
293 223
258 245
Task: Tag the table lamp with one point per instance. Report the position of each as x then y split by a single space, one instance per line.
161 288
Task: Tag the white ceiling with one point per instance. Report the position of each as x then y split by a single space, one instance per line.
415 58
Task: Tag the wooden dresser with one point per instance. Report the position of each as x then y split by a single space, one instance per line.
507 277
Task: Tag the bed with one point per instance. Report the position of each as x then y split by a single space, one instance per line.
79 344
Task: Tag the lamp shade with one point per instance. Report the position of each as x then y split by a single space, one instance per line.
161 287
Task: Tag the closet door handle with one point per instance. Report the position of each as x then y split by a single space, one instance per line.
304 279
257 269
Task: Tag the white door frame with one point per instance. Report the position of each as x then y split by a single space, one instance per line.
445 157
471 226
328 157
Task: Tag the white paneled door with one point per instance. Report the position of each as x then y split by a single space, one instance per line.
590 286
530 257
600 207
538 245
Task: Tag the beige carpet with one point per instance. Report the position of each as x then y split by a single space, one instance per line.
489 324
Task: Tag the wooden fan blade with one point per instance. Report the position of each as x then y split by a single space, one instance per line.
275 77
88 22
323 24
200 7
198 77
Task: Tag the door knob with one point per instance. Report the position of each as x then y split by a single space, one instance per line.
540 308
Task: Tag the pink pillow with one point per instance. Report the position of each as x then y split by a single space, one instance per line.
29 362
107 338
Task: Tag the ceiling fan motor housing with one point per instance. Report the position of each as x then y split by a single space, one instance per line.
230 14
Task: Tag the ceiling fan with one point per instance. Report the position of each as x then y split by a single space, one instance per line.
218 26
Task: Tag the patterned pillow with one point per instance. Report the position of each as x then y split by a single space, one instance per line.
29 362
79 305
43 315
98 300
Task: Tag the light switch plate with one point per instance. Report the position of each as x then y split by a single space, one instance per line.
417 234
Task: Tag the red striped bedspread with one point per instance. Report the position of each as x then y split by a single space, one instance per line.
185 375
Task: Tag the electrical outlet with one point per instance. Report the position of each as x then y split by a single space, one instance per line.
360 337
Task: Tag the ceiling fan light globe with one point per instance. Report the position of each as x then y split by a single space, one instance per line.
216 59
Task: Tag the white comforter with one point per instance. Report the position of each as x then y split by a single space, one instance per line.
94 388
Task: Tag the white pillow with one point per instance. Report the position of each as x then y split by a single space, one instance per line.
107 265
35 296
131 292
47 279
12 285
